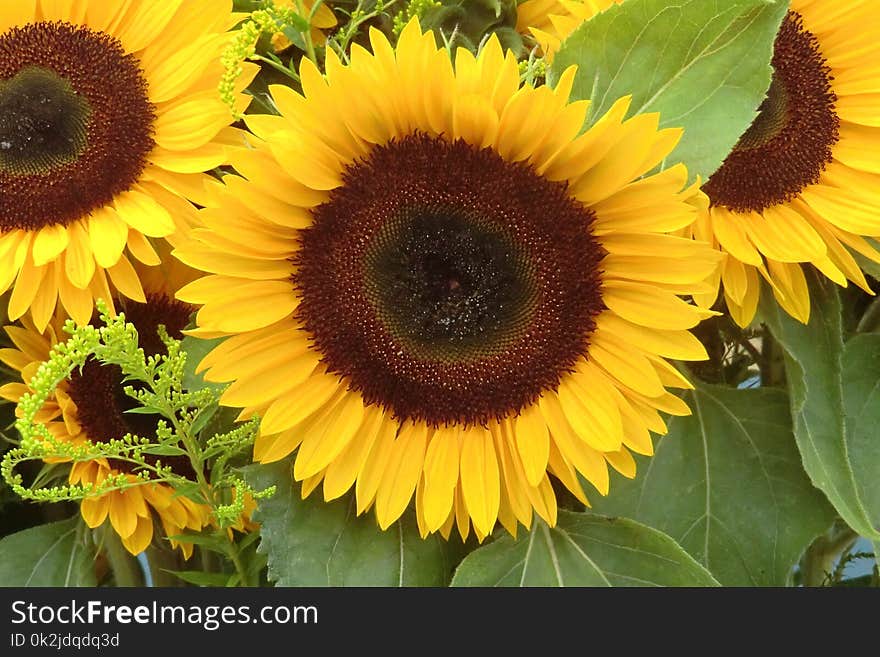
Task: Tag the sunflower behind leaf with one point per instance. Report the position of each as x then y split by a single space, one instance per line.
799 187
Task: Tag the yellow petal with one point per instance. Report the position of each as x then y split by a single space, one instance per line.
79 264
126 280
650 306
325 443
95 509
402 473
343 471
440 476
140 248
532 443
140 538
122 514
49 243
140 211
108 235
679 345
373 471
246 305
144 22
26 286
480 479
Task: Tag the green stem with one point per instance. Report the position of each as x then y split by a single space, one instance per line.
126 571
307 35
235 556
820 557
278 67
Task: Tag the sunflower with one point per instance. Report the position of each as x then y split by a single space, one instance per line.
432 284
109 113
90 406
550 22
799 185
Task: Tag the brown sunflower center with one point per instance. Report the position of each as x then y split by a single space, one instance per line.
448 285
98 390
42 122
771 120
789 144
76 124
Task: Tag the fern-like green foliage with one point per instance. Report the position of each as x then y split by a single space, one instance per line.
156 383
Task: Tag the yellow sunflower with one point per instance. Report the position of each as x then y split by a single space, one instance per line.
90 406
434 285
800 185
550 22
109 114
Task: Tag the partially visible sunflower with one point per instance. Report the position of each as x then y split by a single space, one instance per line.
432 284
91 405
321 21
800 187
109 112
550 22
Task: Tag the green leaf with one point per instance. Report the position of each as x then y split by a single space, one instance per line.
144 410
204 416
831 386
47 555
583 550
727 483
196 349
294 33
861 399
164 450
703 64
315 543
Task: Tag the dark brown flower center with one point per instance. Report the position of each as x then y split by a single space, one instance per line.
448 285
789 144
76 124
42 122
98 390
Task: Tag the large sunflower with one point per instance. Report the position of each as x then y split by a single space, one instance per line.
800 186
435 285
109 113
90 406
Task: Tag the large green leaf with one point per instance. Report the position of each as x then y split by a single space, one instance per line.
315 543
727 483
861 403
583 550
47 555
832 386
703 64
